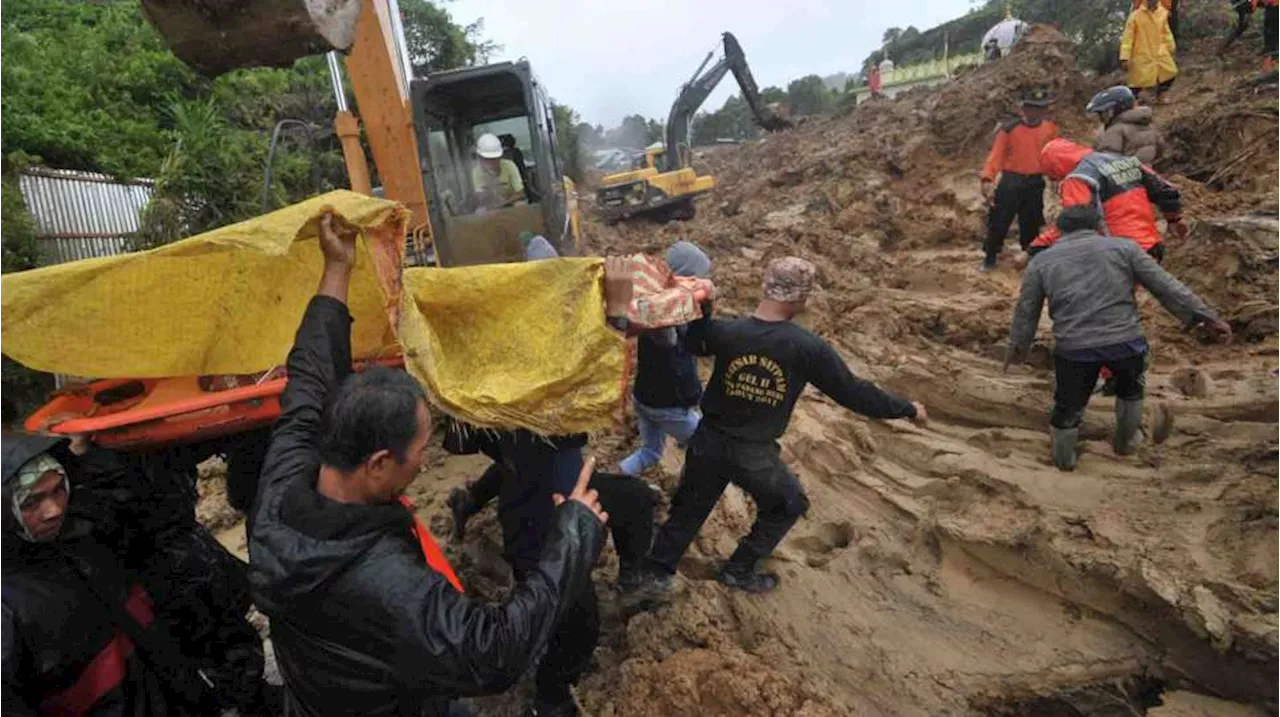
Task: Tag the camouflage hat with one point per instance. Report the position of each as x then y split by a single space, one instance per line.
789 279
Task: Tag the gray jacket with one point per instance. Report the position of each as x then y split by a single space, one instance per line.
1089 280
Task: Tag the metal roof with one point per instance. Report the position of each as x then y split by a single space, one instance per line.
82 214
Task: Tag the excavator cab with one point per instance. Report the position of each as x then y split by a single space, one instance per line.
451 110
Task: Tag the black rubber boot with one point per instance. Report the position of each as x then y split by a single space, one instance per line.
644 587
750 580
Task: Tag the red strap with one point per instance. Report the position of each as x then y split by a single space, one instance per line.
432 552
105 671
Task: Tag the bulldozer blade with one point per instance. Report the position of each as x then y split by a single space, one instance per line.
216 36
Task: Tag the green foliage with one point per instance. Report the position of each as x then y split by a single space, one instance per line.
435 42
92 86
809 96
18 228
568 140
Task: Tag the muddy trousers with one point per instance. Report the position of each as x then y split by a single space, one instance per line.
712 462
628 500
1017 196
1075 381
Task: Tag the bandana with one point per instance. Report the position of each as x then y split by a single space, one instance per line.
28 475
789 279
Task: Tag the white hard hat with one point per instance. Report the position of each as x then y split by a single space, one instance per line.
488 146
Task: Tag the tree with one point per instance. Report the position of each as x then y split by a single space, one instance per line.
810 96
568 142
434 42
655 131
890 36
769 95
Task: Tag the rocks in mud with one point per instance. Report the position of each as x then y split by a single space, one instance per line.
1208 618
1191 381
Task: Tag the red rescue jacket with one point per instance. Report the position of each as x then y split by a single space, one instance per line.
1123 188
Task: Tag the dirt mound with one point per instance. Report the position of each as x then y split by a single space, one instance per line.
954 570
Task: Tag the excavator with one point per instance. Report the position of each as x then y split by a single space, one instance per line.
421 131
664 186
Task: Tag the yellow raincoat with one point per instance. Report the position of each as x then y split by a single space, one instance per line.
1148 45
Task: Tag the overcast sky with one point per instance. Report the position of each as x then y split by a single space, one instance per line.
608 59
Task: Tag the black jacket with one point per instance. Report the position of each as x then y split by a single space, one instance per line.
666 374
360 623
123 536
55 625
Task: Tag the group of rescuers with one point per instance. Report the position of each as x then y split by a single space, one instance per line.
107 614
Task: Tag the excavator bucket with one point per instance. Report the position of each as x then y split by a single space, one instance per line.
215 36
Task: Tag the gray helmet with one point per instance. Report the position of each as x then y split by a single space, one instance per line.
1118 98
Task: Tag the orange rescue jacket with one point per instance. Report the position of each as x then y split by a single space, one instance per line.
1017 148
1122 187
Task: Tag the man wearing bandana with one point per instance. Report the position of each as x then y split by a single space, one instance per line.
82 632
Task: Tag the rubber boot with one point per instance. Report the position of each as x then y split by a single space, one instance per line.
1128 426
1064 447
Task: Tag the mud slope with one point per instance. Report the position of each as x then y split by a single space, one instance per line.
953 570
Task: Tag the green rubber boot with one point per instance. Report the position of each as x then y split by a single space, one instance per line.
1064 447
1128 426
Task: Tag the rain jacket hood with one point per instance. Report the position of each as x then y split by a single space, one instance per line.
1060 156
16 450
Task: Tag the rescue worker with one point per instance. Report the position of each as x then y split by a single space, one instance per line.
1270 31
667 388
496 179
762 364
1123 187
1146 50
1243 10
1170 6
1015 157
1126 129
367 616
1089 281
513 153
82 632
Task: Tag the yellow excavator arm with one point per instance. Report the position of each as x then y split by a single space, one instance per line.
214 38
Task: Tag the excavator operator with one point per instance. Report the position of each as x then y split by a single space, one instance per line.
1015 156
497 180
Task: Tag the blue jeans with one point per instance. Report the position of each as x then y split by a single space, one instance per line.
655 425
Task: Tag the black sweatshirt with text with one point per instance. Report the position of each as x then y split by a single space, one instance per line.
763 366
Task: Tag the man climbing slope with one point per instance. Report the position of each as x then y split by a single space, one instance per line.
1089 282
1015 157
763 363
1122 186
667 388
1126 129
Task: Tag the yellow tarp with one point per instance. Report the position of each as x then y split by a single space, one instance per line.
501 346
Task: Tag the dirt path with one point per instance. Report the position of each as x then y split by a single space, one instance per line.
951 570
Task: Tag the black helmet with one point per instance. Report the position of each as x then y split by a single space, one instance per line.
1118 98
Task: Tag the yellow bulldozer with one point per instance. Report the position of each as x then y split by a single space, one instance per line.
422 131
664 186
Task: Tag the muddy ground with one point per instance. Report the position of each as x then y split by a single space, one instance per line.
951 570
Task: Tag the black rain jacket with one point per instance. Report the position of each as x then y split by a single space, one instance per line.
361 625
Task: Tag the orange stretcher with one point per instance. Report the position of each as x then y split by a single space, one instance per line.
131 413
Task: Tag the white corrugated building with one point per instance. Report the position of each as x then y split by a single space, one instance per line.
79 215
